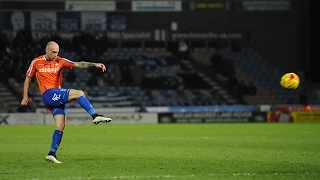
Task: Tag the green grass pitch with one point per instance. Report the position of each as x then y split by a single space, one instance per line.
163 151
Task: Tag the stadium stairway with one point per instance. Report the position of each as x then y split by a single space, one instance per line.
214 85
7 96
201 61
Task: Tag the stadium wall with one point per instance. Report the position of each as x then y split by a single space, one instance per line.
262 114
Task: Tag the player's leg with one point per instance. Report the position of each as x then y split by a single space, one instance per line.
55 100
82 100
59 116
85 104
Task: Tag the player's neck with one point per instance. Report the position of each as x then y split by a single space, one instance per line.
45 56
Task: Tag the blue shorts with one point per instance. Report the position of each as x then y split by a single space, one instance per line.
55 99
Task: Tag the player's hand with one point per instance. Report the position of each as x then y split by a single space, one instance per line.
102 66
24 101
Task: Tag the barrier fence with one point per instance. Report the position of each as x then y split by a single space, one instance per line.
167 117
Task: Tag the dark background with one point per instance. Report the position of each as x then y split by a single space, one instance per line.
280 36
312 65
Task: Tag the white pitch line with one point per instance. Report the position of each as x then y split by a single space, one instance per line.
121 177
168 176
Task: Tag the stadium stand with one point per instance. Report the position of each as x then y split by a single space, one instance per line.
150 76
252 72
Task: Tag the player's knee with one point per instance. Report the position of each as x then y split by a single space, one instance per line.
60 121
80 93
60 126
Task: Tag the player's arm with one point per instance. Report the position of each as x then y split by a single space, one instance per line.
83 64
26 86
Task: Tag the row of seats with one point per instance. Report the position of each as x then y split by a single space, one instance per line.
151 76
265 75
167 81
250 66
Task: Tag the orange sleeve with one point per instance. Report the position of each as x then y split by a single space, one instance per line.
67 63
32 69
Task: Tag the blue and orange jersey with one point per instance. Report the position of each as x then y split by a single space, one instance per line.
48 73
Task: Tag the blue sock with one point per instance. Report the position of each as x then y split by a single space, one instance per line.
56 139
85 104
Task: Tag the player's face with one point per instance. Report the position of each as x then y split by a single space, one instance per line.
52 52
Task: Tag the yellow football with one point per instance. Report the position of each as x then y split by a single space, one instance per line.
290 81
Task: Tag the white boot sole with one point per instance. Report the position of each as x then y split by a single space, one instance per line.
100 119
52 159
